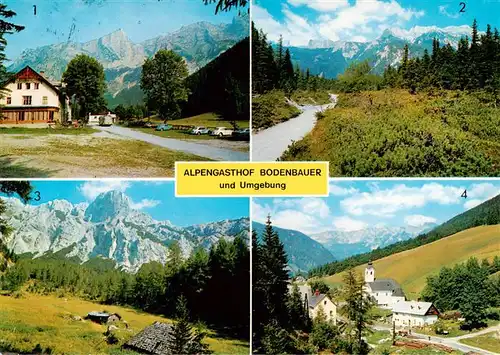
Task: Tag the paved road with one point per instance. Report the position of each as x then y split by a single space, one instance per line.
451 342
271 143
180 145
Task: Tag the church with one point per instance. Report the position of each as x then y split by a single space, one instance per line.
386 292
30 98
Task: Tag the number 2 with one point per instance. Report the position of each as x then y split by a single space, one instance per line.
464 194
462 9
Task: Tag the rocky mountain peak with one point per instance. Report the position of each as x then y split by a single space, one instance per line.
108 205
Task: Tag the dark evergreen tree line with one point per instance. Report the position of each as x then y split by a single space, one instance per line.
215 284
466 287
474 65
272 68
488 213
222 86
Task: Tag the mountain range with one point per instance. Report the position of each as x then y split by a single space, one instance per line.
122 59
107 227
309 251
303 252
330 58
344 244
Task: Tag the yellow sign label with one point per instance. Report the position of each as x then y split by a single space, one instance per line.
245 179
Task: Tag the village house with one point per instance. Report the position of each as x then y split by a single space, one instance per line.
414 314
31 98
318 301
151 340
102 317
386 292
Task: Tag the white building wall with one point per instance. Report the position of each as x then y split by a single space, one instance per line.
329 308
37 95
412 320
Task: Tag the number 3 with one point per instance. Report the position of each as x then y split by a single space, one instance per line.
37 198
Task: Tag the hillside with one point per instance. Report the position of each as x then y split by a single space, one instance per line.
391 133
222 86
412 267
487 213
47 321
303 252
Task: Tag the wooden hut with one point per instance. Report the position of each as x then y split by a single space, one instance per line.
151 340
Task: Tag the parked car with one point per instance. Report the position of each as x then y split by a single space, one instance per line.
242 134
163 127
148 125
200 130
221 131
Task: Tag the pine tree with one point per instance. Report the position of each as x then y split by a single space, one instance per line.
296 309
6 27
357 309
181 334
275 264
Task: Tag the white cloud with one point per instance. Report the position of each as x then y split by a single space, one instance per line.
479 193
321 5
307 215
144 203
348 224
91 189
312 205
337 190
385 203
443 11
418 220
342 21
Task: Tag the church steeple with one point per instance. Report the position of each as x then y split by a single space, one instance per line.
370 272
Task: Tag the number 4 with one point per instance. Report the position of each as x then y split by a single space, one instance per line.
464 194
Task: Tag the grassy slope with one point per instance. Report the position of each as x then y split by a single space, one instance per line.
270 109
412 267
393 133
26 322
487 341
206 119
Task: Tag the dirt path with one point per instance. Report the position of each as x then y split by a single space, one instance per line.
203 150
271 143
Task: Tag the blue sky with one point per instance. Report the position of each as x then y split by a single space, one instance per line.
92 19
364 20
152 197
355 205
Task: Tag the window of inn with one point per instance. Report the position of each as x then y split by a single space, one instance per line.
324 303
26 100
28 86
9 100
45 100
19 86
37 85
